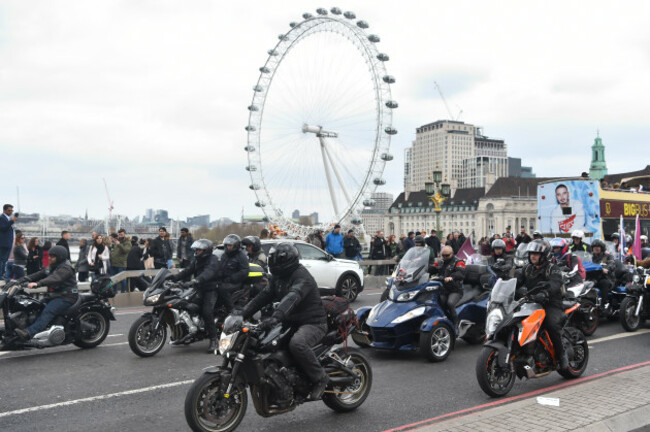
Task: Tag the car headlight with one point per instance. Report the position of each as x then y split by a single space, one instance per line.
226 342
152 299
409 315
407 296
493 320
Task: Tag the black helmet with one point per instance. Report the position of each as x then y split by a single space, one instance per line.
60 253
616 236
498 243
283 259
418 240
202 244
252 241
235 241
600 244
538 246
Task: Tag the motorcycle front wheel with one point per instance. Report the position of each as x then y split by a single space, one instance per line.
495 381
93 329
629 320
346 399
142 339
208 410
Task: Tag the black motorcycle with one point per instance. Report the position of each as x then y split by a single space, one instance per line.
635 307
178 309
260 360
85 324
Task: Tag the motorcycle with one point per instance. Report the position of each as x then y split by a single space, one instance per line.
85 324
260 360
617 294
515 346
179 310
635 307
412 319
585 318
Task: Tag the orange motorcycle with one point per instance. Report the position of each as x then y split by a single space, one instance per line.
517 346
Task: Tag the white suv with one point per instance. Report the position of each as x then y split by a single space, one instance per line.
333 275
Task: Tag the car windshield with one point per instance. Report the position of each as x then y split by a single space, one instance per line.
504 292
414 262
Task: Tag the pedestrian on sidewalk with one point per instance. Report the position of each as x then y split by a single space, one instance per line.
34 257
352 247
334 242
118 255
434 242
81 266
378 252
98 257
7 234
20 256
63 241
158 247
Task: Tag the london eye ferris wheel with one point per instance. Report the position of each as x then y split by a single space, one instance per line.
320 122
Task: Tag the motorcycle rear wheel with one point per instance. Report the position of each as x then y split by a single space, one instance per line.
205 405
629 321
139 331
578 364
494 380
101 326
355 394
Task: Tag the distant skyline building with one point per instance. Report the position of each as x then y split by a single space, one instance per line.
515 169
598 167
490 162
373 217
201 220
295 214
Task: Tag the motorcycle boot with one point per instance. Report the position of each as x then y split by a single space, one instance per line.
23 334
319 388
214 343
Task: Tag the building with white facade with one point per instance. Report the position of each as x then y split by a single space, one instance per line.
373 217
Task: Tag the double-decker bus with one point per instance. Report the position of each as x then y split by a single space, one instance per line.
565 205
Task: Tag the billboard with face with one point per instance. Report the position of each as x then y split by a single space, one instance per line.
565 206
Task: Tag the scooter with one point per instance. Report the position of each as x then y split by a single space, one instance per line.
412 319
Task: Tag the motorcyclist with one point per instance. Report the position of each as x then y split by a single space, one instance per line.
61 282
233 269
561 256
545 278
605 281
299 306
500 263
204 268
452 269
578 244
254 251
537 235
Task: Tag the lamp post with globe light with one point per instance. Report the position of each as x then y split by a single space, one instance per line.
438 193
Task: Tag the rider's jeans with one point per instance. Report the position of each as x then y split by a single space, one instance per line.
54 307
301 344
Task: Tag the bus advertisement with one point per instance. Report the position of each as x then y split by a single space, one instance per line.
580 204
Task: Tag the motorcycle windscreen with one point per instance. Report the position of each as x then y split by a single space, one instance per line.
412 266
521 251
157 282
503 292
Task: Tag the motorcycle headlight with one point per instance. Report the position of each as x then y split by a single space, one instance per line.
493 320
409 315
226 342
407 296
636 278
152 299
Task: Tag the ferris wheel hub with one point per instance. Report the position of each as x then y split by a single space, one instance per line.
318 130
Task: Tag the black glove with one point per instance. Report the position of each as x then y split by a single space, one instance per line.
269 323
22 280
189 284
541 297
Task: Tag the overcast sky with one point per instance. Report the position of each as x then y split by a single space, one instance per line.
152 95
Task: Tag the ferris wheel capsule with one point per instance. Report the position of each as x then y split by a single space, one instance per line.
390 131
349 15
388 79
250 168
272 52
249 148
250 128
336 11
369 203
391 104
260 204
383 57
307 15
254 186
283 37
321 11
379 181
362 24
373 38
253 108
265 70
258 88
386 157
356 220
293 24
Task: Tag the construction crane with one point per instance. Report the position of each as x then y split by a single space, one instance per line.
110 207
451 116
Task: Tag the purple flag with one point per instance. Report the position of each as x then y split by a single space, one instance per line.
636 246
466 250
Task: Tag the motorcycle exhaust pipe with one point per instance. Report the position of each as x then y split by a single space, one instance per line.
345 380
638 306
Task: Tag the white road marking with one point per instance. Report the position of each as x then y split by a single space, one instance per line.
116 335
377 293
94 398
618 336
114 344
37 351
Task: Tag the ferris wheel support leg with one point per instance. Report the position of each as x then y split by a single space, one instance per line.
327 174
336 172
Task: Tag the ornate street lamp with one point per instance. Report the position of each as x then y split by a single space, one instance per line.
438 193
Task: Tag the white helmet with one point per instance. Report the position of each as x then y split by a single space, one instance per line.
578 233
644 237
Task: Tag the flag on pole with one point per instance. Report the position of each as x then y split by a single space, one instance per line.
621 245
636 246
466 250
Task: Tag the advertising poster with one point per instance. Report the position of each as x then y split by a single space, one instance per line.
565 206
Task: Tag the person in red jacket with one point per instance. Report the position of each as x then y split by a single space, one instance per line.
46 253
511 244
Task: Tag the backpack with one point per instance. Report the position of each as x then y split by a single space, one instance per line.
339 314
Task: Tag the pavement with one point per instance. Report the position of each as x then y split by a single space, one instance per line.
617 400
